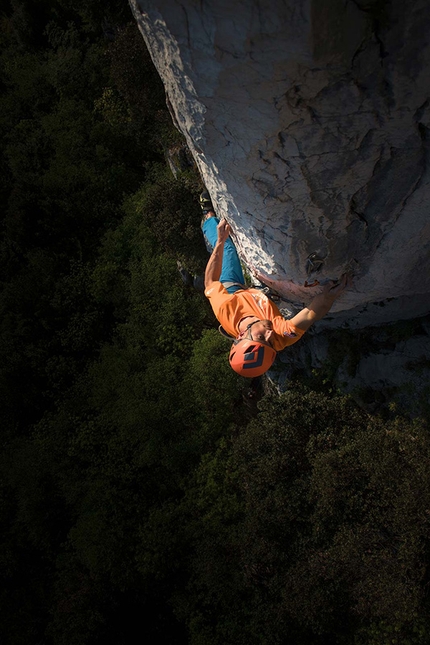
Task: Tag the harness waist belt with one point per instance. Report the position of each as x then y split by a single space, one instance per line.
227 285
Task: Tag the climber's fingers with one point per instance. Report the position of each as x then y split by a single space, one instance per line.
335 289
224 230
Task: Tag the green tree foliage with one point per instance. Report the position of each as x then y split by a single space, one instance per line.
132 73
82 298
313 525
67 167
170 210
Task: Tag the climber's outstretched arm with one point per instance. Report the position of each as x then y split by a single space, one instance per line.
214 265
321 304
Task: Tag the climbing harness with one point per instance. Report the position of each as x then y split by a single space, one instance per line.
227 285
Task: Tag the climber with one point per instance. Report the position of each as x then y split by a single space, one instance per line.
247 315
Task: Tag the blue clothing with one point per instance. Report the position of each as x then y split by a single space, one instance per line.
231 269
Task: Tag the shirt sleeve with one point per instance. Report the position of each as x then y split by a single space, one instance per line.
287 333
217 294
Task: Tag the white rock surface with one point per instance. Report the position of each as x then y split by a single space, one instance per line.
309 122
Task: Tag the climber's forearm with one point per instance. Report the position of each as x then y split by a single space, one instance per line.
214 265
322 303
318 308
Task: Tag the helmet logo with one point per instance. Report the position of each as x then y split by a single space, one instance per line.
253 359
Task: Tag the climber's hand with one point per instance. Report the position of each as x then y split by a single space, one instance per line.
334 289
224 230
322 303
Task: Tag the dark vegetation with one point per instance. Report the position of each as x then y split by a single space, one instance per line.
140 498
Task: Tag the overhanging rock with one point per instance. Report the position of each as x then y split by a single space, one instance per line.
309 122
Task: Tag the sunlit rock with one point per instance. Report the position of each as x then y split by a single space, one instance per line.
309 122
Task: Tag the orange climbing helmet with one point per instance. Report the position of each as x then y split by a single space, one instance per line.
250 358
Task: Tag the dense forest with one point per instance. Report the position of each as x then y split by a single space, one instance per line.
142 494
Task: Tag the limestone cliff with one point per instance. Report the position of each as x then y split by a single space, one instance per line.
309 122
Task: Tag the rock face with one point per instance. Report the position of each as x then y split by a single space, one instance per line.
378 366
309 122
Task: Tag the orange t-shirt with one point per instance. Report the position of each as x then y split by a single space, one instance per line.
230 308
